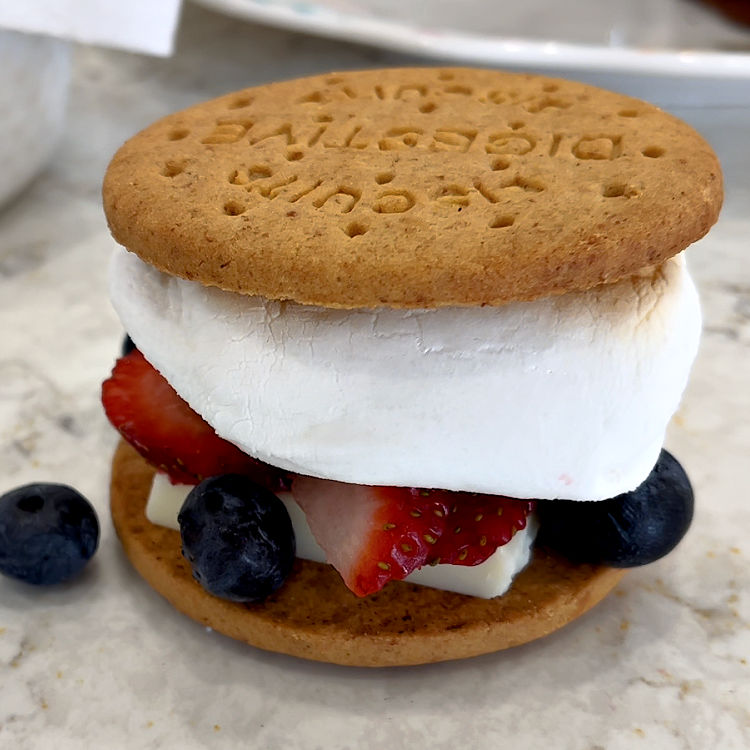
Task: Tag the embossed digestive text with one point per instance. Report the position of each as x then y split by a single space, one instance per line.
497 156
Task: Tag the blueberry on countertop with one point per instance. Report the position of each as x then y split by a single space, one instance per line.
48 532
238 538
632 529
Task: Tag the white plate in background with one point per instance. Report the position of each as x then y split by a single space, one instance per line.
664 37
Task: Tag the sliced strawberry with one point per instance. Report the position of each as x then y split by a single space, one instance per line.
160 425
477 525
373 535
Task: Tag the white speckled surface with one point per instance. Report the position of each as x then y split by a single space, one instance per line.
104 662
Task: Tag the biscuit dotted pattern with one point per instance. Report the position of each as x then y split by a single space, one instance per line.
413 188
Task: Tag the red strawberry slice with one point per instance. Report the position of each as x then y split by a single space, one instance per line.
160 425
373 535
478 523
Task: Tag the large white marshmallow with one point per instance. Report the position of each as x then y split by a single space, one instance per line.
565 397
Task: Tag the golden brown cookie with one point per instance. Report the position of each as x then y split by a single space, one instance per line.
412 188
315 616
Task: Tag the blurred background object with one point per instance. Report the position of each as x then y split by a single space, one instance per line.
676 37
34 81
35 68
146 26
738 10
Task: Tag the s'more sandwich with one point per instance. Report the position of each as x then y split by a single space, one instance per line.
405 345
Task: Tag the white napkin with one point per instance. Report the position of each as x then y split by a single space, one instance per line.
146 26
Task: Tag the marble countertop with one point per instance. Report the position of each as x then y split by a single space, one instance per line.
104 662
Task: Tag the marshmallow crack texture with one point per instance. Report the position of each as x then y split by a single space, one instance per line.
564 397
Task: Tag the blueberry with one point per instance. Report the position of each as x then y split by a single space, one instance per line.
127 346
632 529
238 538
48 532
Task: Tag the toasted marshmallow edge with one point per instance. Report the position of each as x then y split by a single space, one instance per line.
563 397
491 578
